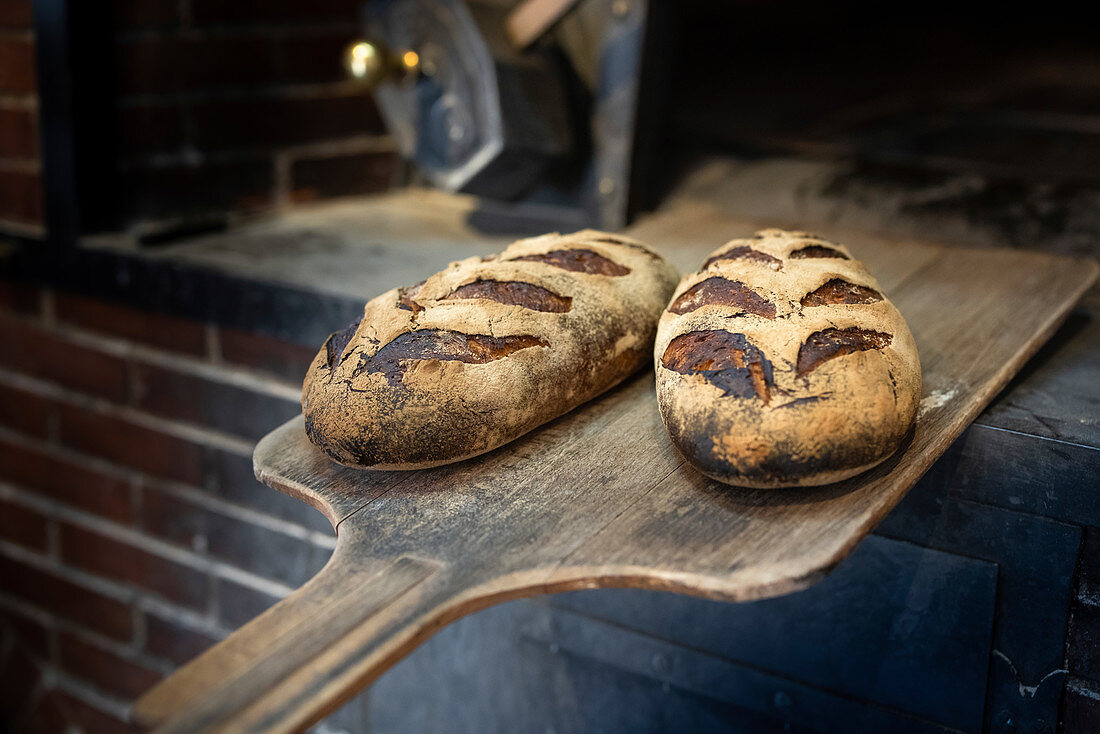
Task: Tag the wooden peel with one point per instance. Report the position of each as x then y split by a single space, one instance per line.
599 498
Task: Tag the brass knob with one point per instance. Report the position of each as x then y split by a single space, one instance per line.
373 63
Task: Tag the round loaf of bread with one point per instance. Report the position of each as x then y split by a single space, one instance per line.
485 350
781 363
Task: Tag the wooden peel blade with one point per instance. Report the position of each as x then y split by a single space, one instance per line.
600 498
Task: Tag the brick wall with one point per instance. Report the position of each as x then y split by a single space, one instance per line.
132 532
218 107
230 106
20 169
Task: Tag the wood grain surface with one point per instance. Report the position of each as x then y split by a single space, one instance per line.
600 497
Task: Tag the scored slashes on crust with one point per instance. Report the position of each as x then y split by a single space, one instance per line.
781 363
485 350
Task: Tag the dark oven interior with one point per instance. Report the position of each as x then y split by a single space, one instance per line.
944 111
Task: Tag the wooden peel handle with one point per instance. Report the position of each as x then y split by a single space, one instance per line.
302 658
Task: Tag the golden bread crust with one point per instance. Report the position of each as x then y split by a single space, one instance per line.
429 376
821 378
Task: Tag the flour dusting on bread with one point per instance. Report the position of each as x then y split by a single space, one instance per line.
782 363
485 350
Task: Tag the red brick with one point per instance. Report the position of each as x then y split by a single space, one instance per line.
172 642
147 129
20 195
219 405
129 444
19 297
16 14
59 713
174 191
267 123
251 547
65 481
23 526
132 14
18 134
230 475
358 173
279 358
17 65
238 604
46 718
67 599
28 633
103 556
92 720
167 65
218 12
36 351
146 327
19 676
103 669
24 411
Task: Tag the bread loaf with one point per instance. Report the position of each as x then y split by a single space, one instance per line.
485 350
781 363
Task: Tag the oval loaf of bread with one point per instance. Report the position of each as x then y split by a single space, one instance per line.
485 350
781 363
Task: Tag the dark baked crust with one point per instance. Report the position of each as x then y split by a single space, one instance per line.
808 375
485 350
